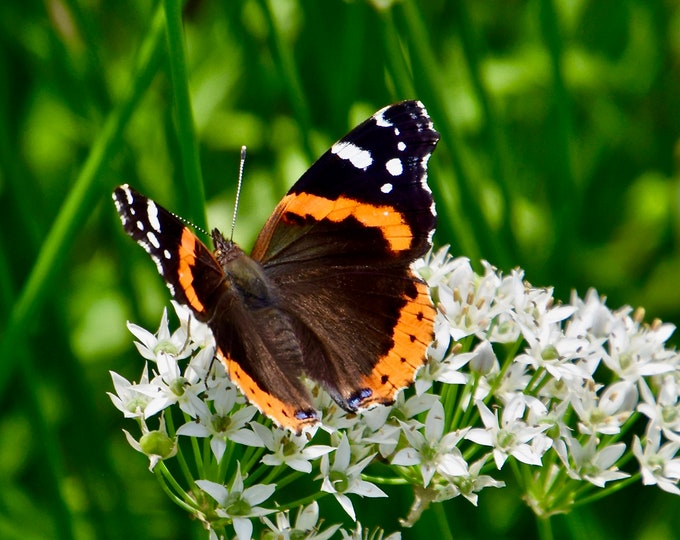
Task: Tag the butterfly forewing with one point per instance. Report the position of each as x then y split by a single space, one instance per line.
179 255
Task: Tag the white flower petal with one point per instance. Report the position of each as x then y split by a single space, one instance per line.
215 490
243 528
259 493
406 457
193 429
346 504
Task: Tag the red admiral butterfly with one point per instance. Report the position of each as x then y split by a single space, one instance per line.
328 291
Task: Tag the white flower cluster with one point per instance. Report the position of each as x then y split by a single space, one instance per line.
511 375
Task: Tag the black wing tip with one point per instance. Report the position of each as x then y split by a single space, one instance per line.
406 112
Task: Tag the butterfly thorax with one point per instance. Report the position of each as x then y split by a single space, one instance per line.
246 276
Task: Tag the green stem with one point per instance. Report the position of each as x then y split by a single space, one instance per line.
78 204
426 71
564 191
537 381
396 63
290 77
272 474
498 148
226 460
183 465
186 132
55 477
605 492
449 395
385 481
288 479
252 457
471 412
172 489
445 527
302 502
544 526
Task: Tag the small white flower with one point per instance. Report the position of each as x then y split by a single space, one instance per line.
343 477
664 410
478 305
199 333
127 398
605 413
305 527
223 424
388 432
333 418
510 436
471 483
514 381
658 464
237 503
150 346
549 349
436 266
289 449
432 451
636 352
595 466
591 317
555 419
170 386
442 340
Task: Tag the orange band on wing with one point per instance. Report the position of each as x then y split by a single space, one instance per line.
412 334
388 219
283 414
187 261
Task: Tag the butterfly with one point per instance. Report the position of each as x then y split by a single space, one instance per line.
328 292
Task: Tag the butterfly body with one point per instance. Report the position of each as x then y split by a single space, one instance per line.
327 292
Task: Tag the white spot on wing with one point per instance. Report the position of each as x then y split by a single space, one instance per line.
167 254
401 146
423 178
128 194
358 157
380 119
152 211
394 167
140 225
430 236
386 188
120 209
153 239
156 260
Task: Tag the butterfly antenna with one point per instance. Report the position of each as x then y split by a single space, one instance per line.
238 190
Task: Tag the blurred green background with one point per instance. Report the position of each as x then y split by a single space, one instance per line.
559 154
